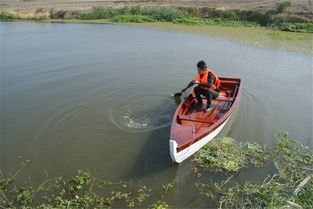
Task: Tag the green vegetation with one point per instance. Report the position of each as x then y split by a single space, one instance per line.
276 18
291 187
132 18
159 205
301 27
226 154
7 16
82 191
164 14
165 189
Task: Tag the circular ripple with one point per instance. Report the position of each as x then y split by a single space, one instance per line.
145 113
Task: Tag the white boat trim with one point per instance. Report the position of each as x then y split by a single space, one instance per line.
187 152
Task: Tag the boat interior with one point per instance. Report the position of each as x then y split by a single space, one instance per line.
197 117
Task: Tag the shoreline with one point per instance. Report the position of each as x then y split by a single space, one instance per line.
261 37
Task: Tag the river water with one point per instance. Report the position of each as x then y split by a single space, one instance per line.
97 97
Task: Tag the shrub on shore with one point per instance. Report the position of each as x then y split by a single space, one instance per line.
165 14
189 16
132 18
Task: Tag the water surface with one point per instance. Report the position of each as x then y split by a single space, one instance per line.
79 96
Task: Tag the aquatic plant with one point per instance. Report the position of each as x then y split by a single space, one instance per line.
166 188
291 187
292 159
159 205
225 154
82 191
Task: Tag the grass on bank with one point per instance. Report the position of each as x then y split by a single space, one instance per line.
287 36
138 14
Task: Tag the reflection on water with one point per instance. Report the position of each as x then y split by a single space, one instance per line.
96 97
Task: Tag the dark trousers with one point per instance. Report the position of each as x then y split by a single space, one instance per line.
209 94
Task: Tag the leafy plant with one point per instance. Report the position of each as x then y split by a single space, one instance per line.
132 18
292 159
83 178
294 27
291 187
166 188
225 154
159 205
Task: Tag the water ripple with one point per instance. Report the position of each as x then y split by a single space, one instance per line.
143 114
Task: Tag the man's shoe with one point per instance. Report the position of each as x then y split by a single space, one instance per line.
197 105
208 109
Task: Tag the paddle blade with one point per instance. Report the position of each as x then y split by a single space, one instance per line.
177 94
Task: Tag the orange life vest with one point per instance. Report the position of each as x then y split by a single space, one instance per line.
204 79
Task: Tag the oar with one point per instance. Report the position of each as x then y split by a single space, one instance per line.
183 90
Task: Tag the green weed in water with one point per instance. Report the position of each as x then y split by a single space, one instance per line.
225 154
165 189
159 205
291 187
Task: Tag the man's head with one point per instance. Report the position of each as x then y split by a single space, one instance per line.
201 67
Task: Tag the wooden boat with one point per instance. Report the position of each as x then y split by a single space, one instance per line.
192 128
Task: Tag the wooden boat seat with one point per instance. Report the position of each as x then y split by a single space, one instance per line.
196 119
219 98
224 99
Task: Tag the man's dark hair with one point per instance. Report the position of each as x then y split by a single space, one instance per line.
201 64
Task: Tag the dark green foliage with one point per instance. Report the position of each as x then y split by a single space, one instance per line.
132 18
299 27
7 16
153 13
163 13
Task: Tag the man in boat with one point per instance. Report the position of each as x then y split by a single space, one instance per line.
208 85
